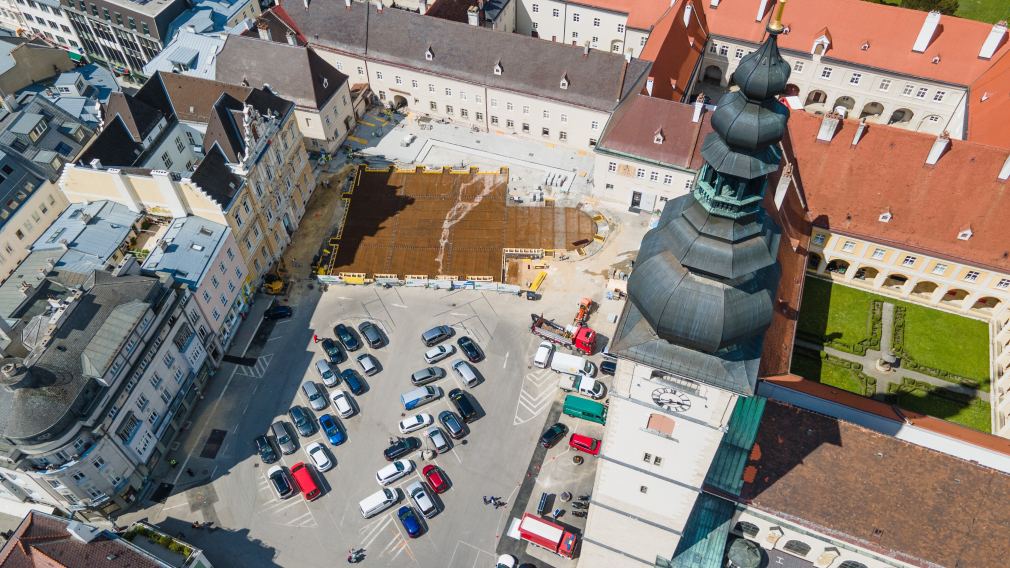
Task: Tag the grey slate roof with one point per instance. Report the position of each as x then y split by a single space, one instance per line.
89 232
32 271
216 179
191 244
469 53
65 135
199 55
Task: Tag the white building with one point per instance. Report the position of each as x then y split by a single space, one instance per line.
46 19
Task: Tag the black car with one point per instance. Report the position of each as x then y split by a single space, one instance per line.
265 449
553 434
372 335
451 424
608 367
347 339
470 349
401 447
334 353
304 422
278 312
353 381
463 405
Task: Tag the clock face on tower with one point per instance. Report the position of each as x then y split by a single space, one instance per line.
671 400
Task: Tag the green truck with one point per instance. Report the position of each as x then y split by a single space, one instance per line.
585 409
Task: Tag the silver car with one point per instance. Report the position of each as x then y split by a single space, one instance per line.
419 493
314 395
436 354
285 441
438 439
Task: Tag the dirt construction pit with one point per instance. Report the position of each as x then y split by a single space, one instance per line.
432 223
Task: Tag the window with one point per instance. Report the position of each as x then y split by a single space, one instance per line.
526 109
851 564
564 117
653 176
398 80
938 96
462 95
738 53
509 123
940 268
907 90
855 78
431 88
1003 283
826 72
477 98
723 50
536 8
494 120
464 112
640 173
818 239
79 476
547 114
796 547
206 296
142 402
361 70
620 28
747 529
562 135
594 125
155 380
921 93
154 417
908 261
971 276
878 254
884 85
643 489
448 109
168 359
382 95
647 457
448 92
848 246
596 22
378 74
556 13
545 132
509 106
99 463
166 160
434 105
667 179
798 67
612 167
526 128
494 103
480 116
575 16
657 460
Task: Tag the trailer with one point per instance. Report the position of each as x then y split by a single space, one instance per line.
546 534
582 338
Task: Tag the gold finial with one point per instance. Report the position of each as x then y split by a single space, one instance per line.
775 26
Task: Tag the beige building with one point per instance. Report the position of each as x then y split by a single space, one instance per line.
29 61
32 204
227 153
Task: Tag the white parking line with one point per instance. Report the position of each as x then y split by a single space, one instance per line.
398 306
505 363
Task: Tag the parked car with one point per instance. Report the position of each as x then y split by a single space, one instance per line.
281 482
305 482
314 395
438 439
419 493
265 449
319 456
373 336
436 478
470 348
427 375
369 364
463 405
553 434
608 367
542 358
326 373
332 429
466 372
408 518
346 337
342 403
401 447
283 436
278 312
353 381
303 421
506 561
415 422
437 353
585 444
334 353
394 471
436 335
452 424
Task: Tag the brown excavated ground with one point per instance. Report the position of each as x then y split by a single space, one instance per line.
432 224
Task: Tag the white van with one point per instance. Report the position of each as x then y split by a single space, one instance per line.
542 358
378 502
419 397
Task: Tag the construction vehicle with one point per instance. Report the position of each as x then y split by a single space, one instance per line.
274 282
585 307
581 338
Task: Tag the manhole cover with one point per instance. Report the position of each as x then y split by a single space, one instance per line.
162 492
213 444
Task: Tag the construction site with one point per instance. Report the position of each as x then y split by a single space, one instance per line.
447 224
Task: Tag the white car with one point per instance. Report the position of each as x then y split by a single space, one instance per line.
543 355
394 471
415 422
439 352
342 403
319 456
506 561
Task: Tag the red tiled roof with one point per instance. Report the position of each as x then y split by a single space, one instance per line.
675 50
42 541
987 118
890 31
632 131
848 187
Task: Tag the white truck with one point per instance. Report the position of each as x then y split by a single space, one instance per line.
572 365
583 385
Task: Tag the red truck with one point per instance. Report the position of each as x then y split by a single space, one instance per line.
546 534
582 338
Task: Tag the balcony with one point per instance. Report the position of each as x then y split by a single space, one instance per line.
52 468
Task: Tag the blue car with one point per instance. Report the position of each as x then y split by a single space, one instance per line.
334 433
353 380
408 518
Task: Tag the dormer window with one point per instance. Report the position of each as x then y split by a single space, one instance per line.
884 217
564 82
823 43
936 60
429 54
965 234
658 138
497 68
865 46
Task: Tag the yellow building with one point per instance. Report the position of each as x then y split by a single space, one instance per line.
187 146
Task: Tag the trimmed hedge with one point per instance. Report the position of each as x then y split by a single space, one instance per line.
867 385
874 329
908 362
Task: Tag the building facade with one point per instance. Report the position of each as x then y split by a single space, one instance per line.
611 26
46 19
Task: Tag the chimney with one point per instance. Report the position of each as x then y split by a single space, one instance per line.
1004 173
762 8
714 3
688 10
829 125
699 108
995 39
940 145
347 4
292 40
928 31
422 5
585 49
648 85
264 29
378 6
860 130
473 16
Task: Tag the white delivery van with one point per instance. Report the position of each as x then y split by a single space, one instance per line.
572 365
378 502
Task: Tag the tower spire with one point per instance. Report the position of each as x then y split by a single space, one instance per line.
775 26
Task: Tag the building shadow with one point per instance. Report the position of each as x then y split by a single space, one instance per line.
223 546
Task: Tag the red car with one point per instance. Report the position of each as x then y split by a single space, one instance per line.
436 478
585 444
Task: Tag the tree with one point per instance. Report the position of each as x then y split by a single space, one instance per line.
948 7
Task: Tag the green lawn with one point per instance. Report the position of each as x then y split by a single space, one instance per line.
948 342
990 11
974 415
834 312
816 369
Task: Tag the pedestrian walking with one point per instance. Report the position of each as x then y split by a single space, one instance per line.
315 338
486 500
